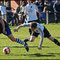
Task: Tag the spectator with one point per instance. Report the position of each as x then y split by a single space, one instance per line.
16 17
9 14
46 5
3 10
56 7
39 5
22 8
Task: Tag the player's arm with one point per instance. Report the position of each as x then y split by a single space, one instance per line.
40 14
25 11
3 25
38 11
41 35
22 25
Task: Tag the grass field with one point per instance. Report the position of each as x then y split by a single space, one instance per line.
49 49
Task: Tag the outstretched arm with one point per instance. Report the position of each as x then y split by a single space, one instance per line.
41 35
22 25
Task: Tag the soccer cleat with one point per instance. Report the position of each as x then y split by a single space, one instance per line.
26 46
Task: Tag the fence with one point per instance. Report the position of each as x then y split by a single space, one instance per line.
48 17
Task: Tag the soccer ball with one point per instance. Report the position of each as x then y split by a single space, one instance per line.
6 50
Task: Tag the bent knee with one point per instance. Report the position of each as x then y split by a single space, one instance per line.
31 40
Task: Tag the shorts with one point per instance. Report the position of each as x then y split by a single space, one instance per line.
8 31
34 33
46 33
33 21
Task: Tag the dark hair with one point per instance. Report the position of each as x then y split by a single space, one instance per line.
33 25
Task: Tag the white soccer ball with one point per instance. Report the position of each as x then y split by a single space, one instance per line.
6 50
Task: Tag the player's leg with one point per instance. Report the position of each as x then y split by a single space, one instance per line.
33 36
31 39
10 35
54 40
12 38
48 35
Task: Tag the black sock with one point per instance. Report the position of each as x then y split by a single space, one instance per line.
26 40
56 42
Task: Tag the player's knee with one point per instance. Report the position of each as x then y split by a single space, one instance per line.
31 40
51 38
12 40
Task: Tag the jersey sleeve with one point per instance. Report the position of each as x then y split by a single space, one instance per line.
36 8
41 34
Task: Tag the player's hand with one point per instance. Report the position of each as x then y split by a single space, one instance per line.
15 30
39 48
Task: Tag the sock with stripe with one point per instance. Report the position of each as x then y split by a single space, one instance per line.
19 41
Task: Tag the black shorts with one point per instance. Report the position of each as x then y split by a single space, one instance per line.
7 29
33 21
46 33
34 33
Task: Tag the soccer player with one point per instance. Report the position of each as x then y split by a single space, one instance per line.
4 28
37 29
31 11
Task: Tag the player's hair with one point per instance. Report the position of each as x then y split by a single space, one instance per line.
33 25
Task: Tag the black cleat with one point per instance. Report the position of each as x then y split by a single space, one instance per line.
26 46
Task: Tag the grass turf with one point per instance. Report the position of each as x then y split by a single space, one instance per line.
49 49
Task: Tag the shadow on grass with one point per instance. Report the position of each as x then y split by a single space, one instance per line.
34 55
23 46
54 53
57 37
38 55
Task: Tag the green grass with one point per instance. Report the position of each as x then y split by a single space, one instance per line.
49 49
